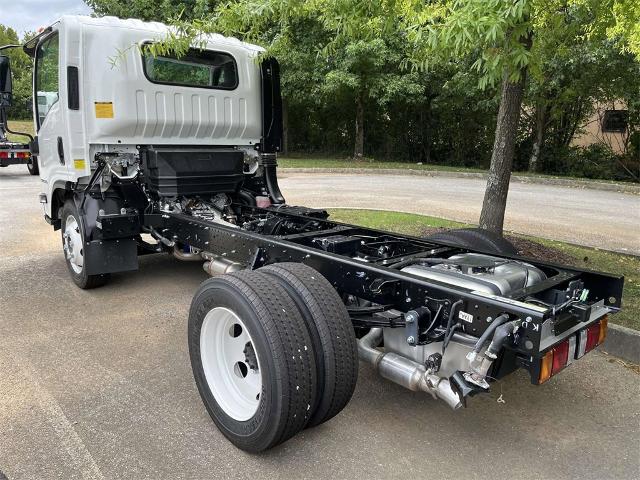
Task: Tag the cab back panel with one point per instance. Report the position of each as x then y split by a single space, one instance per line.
122 106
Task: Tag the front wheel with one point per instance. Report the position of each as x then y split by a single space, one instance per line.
73 242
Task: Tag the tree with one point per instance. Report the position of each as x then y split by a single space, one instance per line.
620 20
507 39
575 67
573 78
21 69
499 31
499 34
153 10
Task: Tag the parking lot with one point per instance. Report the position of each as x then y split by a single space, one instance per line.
97 384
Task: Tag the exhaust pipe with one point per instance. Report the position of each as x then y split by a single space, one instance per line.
216 265
404 371
186 256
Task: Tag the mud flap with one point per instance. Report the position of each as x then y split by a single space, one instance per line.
111 256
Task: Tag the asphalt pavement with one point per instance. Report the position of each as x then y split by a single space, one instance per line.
596 218
97 384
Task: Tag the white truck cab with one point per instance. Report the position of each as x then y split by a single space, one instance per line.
97 92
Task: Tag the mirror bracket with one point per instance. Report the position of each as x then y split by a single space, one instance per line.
6 87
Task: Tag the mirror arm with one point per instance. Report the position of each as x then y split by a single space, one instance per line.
5 47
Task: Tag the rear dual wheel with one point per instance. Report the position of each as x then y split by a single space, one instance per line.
252 359
32 166
265 363
332 334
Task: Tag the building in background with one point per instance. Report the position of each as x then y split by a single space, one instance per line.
608 125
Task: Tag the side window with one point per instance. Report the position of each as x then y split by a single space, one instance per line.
46 77
198 68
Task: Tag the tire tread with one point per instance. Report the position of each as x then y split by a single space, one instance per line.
337 353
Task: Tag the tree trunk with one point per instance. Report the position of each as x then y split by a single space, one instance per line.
358 149
425 128
495 195
285 127
541 120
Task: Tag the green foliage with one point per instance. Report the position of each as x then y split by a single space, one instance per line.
496 33
626 25
21 68
153 10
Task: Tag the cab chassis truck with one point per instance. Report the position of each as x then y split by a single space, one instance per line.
12 153
143 154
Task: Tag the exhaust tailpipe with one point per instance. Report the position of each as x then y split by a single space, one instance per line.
404 371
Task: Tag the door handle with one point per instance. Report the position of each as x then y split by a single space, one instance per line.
60 150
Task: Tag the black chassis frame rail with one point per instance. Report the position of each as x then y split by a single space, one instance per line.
384 285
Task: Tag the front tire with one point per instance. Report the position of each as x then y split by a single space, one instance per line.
73 242
252 359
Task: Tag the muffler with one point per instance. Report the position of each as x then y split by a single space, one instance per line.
404 371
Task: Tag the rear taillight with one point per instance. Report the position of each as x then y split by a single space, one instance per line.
574 347
560 357
4 154
591 337
593 334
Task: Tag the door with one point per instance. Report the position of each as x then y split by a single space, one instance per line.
48 113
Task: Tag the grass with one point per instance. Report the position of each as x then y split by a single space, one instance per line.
318 162
407 223
20 126
583 257
369 163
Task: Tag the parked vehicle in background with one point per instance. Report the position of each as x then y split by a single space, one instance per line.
11 153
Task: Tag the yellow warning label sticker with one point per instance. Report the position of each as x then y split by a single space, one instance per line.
104 109
78 163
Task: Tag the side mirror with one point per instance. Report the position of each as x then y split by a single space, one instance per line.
6 87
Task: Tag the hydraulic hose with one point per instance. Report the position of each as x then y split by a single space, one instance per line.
447 333
4 125
247 197
503 332
488 333
269 164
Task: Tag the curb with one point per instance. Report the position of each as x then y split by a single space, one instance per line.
564 182
622 342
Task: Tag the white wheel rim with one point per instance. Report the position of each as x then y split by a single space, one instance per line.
232 373
72 244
